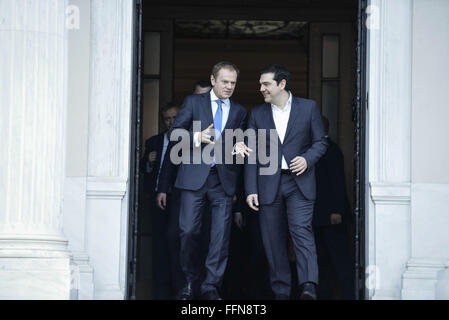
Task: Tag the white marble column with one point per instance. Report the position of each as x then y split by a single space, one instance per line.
110 101
75 184
390 90
427 272
34 260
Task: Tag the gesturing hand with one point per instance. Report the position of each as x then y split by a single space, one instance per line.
298 165
241 149
205 135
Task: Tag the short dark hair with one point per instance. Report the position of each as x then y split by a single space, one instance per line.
167 107
224 65
202 84
280 73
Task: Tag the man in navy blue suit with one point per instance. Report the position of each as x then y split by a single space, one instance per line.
205 182
285 199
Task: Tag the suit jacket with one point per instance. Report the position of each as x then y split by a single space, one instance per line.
155 143
331 188
304 137
191 176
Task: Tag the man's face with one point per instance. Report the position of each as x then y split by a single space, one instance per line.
169 117
199 90
269 88
224 84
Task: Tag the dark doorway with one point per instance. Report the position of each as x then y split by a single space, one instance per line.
177 43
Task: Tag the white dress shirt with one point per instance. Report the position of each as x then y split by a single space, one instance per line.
280 117
225 107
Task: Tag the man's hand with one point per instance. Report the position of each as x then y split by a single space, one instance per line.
152 157
161 200
253 201
238 219
241 149
298 165
205 135
335 218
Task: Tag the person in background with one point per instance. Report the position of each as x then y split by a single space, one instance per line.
330 219
202 86
166 272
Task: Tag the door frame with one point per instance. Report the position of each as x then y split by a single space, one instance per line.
359 111
135 147
359 108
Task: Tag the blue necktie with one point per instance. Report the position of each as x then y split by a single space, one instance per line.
217 123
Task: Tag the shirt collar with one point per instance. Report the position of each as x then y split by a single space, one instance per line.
213 98
288 105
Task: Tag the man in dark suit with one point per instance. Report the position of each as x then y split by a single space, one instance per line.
286 198
173 207
202 181
330 219
166 273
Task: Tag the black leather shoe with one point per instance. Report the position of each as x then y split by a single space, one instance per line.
281 297
308 292
211 295
186 293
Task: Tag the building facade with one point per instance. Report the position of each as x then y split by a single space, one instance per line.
67 83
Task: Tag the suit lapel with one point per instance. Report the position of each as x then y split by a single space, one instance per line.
269 117
208 111
294 112
271 124
231 116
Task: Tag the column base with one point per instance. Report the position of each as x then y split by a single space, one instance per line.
34 267
385 295
442 287
109 292
82 277
420 279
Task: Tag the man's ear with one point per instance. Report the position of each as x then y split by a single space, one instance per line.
212 80
283 83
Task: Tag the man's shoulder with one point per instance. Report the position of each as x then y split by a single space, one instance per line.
237 105
153 140
303 101
156 137
260 108
196 97
241 111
